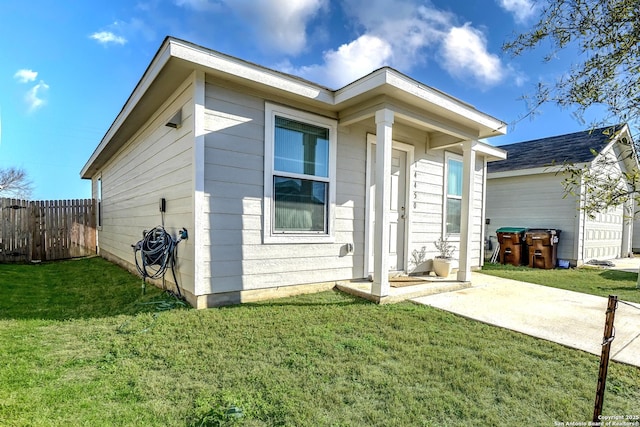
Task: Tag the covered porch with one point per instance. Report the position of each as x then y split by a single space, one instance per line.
453 131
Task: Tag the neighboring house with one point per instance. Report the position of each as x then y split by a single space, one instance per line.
526 190
282 182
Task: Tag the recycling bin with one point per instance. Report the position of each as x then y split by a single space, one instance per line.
512 246
542 245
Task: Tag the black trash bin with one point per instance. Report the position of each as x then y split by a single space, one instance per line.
512 248
542 245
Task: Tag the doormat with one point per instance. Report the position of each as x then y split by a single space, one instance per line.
402 281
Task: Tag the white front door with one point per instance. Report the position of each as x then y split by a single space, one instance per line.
397 208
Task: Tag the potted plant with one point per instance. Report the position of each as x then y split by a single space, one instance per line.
442 261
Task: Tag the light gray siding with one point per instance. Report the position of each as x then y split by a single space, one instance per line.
603 232
156 163
428 208
534 201
236 258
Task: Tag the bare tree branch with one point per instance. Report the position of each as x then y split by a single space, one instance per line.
14 182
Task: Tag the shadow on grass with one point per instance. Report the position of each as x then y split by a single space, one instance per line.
618 275
76 289
334 298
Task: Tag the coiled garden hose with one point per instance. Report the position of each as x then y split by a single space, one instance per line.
156 253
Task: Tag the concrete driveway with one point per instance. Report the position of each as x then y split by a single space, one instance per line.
570 318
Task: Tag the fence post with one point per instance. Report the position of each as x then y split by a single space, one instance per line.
46 230
604 357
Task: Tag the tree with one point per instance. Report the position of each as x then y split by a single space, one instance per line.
606 35
601 184
14 182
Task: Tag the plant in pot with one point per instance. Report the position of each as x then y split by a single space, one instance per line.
442 261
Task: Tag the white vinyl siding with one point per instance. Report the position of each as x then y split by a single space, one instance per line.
426 195
534 201
155 163
603 232
538 200
236 259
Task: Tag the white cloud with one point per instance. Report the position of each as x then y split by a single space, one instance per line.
108 37
411 28
522 10
281 25
348 63
405 36
465 53
25 76
35 96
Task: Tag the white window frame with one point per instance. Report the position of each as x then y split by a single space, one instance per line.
269 236
445 196
99 212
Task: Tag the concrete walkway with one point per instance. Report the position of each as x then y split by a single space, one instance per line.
570 318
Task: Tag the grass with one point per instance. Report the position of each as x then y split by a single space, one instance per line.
80 345
589 280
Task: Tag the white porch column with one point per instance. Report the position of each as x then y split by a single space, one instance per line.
466 220
384 127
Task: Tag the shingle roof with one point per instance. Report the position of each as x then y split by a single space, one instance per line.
573 148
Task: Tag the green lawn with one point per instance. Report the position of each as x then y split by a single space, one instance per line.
589 280
80 345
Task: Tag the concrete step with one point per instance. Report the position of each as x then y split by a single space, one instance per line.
413 289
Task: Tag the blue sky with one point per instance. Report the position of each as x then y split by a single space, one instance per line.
67 67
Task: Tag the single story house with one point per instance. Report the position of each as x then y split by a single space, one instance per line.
526 190
284 185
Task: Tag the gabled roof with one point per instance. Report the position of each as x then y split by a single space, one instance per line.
555 150
177 59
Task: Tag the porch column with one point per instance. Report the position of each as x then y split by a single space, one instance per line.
384 127
466 211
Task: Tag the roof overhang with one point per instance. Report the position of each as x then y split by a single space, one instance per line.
530 171
176 60
624 148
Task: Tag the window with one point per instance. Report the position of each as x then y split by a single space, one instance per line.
299 175
99 197
453 201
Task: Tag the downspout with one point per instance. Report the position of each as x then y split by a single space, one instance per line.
199 203
483 220
582 225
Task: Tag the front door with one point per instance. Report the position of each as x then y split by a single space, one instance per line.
397 208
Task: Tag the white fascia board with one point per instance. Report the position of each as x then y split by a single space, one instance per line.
624 132
489 151
158 62
245 70
445 101
524 172
609 146
387 76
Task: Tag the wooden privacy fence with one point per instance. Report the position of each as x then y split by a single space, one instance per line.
46 230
